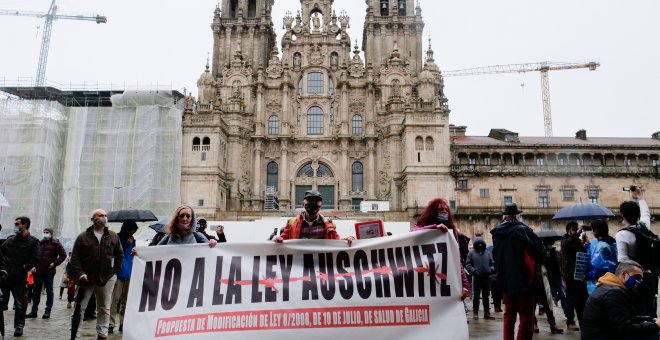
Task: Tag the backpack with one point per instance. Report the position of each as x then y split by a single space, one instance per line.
647 245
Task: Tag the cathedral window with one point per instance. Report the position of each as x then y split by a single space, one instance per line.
357 171
196 144
271 175
315 121
206 144
273 125
324 171
429 144
315 83
357 124
419 144
233 7
384 7
306 171
402 7
252 8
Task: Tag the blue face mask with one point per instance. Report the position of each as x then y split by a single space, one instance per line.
17 230
633 284
443 219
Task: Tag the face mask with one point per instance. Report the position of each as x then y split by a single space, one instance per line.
443 218
312 207
633 284
45 236
17 230
101 222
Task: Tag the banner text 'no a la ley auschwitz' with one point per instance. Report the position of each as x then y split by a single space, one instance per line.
402 286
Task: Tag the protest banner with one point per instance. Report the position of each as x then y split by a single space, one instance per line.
406 286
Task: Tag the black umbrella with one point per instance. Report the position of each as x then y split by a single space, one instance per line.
583 211
159 226
131 214
552 234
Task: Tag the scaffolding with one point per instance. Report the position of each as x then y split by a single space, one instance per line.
61 160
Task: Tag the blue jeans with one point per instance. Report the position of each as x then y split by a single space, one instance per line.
39 282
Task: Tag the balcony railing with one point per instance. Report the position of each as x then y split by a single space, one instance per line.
500 170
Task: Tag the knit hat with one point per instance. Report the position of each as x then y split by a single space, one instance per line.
49 229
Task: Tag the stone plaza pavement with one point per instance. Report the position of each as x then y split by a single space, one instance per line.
57 327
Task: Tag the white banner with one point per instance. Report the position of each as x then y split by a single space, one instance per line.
406 286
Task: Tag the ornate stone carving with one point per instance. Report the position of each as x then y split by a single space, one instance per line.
356 105
274 69
315 54
384 180
273 104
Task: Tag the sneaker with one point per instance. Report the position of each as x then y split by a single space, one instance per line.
68 305
111 329
475 317
46 315
498 309
488 317
31 315
18 332
572 327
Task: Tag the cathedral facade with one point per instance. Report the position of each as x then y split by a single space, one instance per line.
267 126
276 118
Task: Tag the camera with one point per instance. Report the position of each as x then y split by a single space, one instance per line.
630 188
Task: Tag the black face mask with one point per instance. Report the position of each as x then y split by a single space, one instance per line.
312 207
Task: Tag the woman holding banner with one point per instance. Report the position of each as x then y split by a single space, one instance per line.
438 215
181 230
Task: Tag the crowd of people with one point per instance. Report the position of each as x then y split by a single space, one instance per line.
613 296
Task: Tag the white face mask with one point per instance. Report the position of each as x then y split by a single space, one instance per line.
46 236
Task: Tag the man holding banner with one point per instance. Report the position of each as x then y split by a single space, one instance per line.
310 224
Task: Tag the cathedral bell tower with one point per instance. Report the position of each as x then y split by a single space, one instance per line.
242 25
390 22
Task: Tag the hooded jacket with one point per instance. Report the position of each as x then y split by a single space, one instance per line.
512 239
479 261
608 313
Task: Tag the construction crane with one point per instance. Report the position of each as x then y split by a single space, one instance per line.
48 25
542 67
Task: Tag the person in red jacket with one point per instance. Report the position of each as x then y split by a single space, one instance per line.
310 224
52 255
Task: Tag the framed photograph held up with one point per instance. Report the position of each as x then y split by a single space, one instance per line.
369 229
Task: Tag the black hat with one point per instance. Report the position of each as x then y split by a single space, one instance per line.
313 193
201 220
511 209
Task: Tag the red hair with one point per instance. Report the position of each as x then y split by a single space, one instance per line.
430 213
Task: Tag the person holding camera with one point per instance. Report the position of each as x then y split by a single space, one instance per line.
636 218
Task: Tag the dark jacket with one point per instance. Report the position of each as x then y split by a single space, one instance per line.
608 313
479 263
570 245
20 254
511 240
51 252
88 258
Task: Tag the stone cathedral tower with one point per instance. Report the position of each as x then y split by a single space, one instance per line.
270 124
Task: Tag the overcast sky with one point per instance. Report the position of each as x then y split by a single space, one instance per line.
166 42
